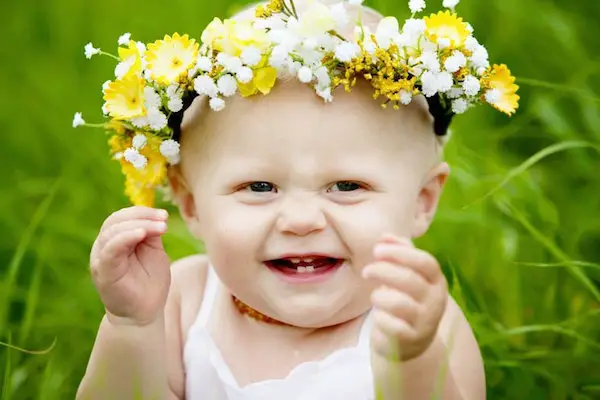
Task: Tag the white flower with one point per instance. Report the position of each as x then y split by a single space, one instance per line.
414 28
481 70
444 43
205 85
105 109
305 75
227 85
479 58
139 122
387 31
310 43
78 120
471 43
204 64
105 85
405 97
471 85
139 141
469 27
216 104
90 50
141 47
455 93
445 81
174 91
175 104
316 20
156 119
323 77
339 14
493 96
244 75
135 158
429 84
251 56
459 106
124 39
230 63
356 2
151 98
430 60
416 6
455 62
293 67
279 56
169 148
325 93
273 23
450 3
346 51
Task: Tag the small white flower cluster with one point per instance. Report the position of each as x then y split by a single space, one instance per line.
168 148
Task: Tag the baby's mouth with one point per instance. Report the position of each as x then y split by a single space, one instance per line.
304 265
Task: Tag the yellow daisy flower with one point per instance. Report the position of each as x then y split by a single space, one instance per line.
171 57
263 81
500 78
446 25
138 193
131 53
231 36
125 98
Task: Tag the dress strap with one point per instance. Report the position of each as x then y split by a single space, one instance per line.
208 298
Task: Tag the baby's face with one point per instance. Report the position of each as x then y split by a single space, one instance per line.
290 195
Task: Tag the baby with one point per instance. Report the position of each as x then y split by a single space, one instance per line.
311 287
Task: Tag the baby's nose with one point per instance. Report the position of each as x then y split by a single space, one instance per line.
301 215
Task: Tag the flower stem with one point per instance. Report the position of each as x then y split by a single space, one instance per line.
110 55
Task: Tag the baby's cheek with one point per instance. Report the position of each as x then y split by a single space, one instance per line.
362 227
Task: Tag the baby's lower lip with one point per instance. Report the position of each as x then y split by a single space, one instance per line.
320 269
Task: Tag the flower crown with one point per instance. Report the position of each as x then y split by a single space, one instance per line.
436 56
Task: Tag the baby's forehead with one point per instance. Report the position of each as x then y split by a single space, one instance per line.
292 117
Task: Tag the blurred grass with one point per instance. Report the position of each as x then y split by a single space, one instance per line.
518 231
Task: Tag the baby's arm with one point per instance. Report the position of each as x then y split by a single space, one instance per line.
137 353
422 345
453 355
130 359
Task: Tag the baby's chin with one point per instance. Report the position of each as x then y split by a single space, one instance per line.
316 309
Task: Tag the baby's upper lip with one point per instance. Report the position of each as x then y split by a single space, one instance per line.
304 255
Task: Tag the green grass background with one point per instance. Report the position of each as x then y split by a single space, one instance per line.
518 232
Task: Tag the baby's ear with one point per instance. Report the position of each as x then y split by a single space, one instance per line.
184 199
428 199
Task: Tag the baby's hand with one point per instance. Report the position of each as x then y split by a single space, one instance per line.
410 301
130 267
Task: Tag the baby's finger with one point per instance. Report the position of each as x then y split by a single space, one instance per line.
151 227
398 277
393 239
396 303
135 212
418 260
394 327
104 267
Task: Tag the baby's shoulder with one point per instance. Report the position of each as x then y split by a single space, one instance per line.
188 279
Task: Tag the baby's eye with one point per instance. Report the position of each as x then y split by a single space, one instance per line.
261 187
346 186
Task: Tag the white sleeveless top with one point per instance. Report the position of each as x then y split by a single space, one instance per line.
343 375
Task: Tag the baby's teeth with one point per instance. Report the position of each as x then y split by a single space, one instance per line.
295 260
301 270
310 268
308 260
